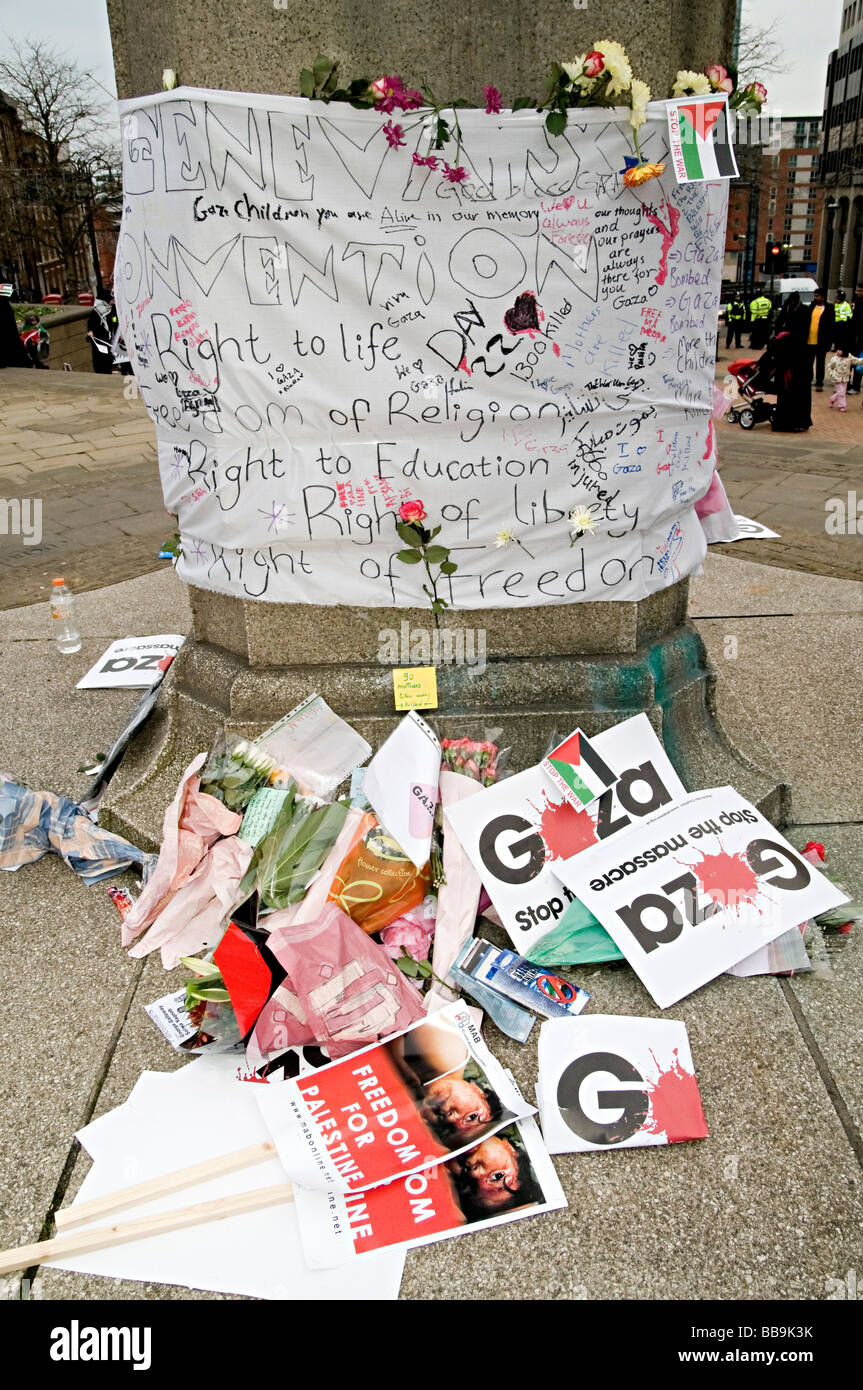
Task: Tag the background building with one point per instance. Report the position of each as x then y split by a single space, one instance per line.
841 258
779 197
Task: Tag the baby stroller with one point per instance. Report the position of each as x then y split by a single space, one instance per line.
755 381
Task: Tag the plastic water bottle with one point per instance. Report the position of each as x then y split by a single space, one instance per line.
66 634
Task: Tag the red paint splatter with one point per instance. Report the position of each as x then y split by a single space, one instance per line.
708 448
668 235
555 347
727 878
463 367
675 1105
565 830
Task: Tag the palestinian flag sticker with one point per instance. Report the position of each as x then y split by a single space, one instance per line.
699 134
577 770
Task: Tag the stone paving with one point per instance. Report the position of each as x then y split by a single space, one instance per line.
74 441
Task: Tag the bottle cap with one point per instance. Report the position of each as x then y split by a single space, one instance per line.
59 581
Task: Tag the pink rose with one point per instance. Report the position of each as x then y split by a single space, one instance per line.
716 74
593 63
757 91
412 512
406 935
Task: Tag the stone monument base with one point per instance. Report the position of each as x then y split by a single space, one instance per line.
543 671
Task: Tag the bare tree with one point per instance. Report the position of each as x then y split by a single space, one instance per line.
67 169
760 53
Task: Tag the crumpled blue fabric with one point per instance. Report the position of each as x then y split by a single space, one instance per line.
36 823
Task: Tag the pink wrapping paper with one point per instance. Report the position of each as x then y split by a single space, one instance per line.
193 821
458 898
193 918
342 991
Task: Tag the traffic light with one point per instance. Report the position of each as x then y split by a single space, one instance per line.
776 260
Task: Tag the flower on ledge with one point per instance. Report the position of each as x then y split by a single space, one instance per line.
390 93
718 77
454 173
581 520
395 136
492 101
688 83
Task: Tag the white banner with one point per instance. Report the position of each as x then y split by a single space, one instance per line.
323 329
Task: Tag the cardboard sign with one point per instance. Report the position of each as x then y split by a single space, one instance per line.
396 1108
133 663
415 687
518 832
616 1083
577 770
505 1178
695 888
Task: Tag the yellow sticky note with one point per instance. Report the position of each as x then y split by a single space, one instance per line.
415 687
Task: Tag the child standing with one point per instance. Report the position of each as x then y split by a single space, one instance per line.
839 371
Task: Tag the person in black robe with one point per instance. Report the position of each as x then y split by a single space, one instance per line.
792 371
12 353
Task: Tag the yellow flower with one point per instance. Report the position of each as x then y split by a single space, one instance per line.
581 519
688 83
616 65
640 173
640 93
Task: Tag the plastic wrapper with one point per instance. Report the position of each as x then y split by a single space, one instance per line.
235 770
292 852
194 918
341 990
315 746
193 822
483 759
577 939
376 882
458 896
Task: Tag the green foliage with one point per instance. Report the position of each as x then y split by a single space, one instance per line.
409 557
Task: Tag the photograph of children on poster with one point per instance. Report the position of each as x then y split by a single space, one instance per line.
696 888
507 1176
622 1083
421 1097
518 832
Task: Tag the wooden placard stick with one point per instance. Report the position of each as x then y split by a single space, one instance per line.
102 1237
67 1218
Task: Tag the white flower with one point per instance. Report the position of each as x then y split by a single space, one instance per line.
640 93
581 519
169 79
503 539
573 69
688 83
616 65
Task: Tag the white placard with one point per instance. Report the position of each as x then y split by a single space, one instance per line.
754 530
695 888
323 329
621 1083
132 662
518 832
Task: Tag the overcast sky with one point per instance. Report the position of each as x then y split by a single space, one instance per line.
80 27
